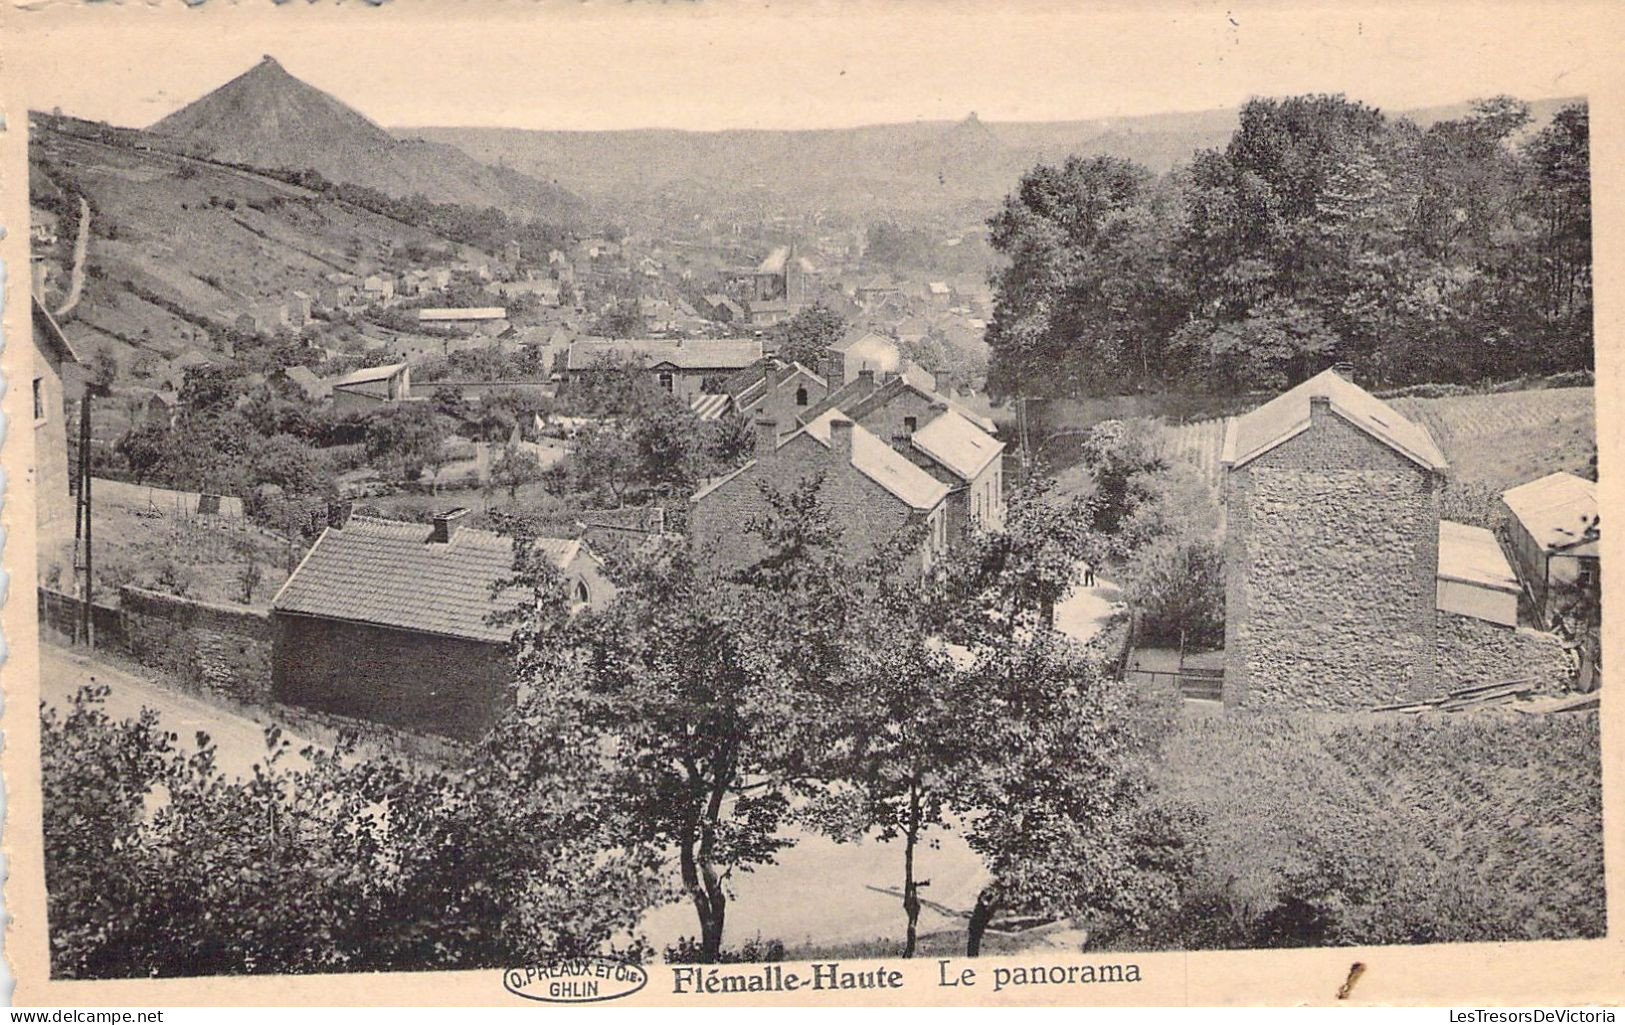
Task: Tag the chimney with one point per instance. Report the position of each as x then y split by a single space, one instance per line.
1320 407
840 440
867 376
338 514
446 525
1345 370
771 373
767 437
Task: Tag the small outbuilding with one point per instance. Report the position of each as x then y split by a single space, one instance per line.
1556 536
1474 577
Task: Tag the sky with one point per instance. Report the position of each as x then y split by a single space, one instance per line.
714 64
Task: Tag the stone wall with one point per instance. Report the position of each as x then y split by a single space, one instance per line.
1472 652
222 649
446 686
1331 558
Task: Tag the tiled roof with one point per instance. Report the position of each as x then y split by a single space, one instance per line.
1287 415
1473 556
694 354
751 396
1559 511
847 395
958 444
389 573
883 464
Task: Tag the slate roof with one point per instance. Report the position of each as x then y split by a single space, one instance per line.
389 573
1472 555
688 354
1287 415
751 395
883 464
958 444
1559 511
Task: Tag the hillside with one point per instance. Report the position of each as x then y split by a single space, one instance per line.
176 242
267 118
926 167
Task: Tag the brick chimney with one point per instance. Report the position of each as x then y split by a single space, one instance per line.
767 437
867 376
840 440
1320 407
771 374
446 525
338 514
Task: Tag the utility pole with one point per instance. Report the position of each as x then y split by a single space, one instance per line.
82 529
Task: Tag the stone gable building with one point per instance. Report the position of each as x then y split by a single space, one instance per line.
391 622
1331 552
866 486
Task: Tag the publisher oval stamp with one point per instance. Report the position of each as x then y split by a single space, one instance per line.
576 980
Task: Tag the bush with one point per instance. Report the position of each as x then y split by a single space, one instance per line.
1176 584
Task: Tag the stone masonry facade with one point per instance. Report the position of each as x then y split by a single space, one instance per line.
868 514
1331 557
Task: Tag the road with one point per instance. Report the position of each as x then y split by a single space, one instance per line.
81 244
239 741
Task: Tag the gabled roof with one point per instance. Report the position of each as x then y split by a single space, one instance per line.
848 394
882 464
464 313
958 444
1287 415
389 573
367 374
48 331
754 393
688 354
878 398
1559 511
852 339
710 407
1471 555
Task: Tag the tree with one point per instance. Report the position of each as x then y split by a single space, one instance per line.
515 469
158 863
1177 585
208 389
405 438
603 460
709 698
804 337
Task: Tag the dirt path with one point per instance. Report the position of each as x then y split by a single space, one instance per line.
81 245
239 740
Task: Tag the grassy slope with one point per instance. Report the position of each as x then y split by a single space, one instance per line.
155 233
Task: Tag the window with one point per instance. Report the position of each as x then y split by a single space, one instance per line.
39 398
667 381
801 396
582 596
911 424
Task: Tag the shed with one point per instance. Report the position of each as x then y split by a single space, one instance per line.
1556 535
1474 577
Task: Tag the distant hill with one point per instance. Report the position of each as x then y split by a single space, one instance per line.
267 118
180 245
926 167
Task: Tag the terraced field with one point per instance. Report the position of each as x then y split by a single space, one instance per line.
1500 440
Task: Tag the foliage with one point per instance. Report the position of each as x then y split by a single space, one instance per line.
1324 231
160 864
804 337
1176 584
406 438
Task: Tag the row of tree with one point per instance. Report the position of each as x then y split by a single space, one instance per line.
1324 232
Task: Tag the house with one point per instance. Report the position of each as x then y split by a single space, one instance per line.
362 391
781 392
938 296
1556 537
1343 589
866 486
679 366
778 288
1331 552
392 622
486 320
862 349
315 389
56 376
378 288
1474 578
971 461
722 309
